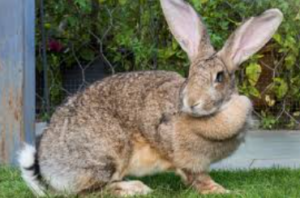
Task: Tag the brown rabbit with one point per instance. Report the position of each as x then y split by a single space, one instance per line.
146 122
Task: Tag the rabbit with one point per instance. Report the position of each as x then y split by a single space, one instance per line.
142 123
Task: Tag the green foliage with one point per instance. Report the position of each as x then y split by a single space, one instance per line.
253 72
133 35
268 121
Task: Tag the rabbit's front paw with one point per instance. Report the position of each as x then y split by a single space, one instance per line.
129 188
203 183
211 187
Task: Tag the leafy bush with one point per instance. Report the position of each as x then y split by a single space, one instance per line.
133 35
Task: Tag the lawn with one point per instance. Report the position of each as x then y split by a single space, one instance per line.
272 183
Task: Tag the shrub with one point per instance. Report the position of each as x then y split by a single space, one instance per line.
133 35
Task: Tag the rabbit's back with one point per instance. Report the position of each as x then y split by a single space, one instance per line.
131 96
125 96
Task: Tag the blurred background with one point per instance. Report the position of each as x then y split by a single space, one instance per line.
81 41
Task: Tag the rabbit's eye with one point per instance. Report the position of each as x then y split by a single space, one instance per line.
220 77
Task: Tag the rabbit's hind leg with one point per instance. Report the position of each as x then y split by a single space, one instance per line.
88 158
75 180
128 188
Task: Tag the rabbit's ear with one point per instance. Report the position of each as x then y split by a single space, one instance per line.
250 37
187 28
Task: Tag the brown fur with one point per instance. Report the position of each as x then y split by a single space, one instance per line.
102 133
145 159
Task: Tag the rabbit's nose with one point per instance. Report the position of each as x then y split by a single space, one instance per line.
196 105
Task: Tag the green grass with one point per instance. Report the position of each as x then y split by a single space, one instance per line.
272 183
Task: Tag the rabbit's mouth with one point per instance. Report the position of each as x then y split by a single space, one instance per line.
199 109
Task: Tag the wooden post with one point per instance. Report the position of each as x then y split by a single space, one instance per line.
17 77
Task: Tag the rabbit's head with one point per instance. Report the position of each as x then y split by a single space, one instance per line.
210 83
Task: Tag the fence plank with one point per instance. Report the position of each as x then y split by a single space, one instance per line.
17 77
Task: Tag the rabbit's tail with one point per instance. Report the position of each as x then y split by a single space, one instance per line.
30 170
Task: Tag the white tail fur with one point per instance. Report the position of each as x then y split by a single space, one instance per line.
28 164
